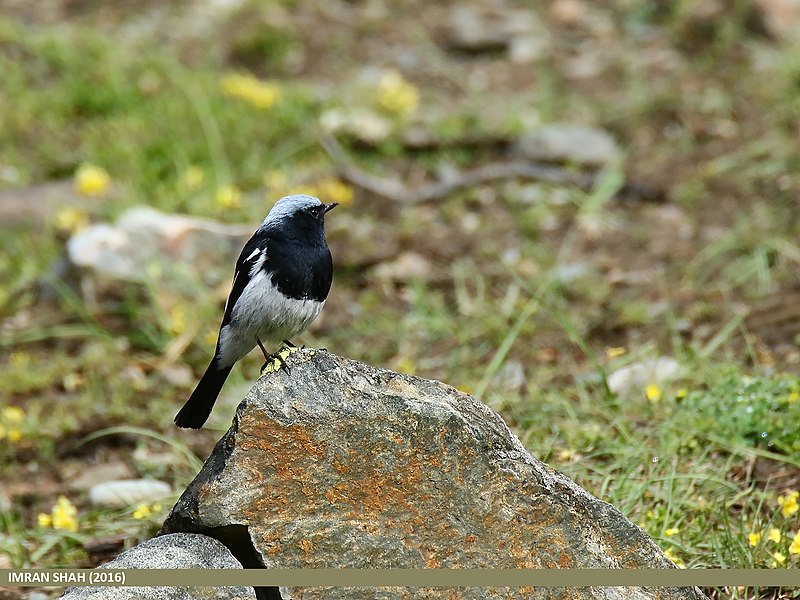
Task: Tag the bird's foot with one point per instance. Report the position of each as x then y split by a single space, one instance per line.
277 360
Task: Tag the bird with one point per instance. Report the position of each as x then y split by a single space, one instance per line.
280 284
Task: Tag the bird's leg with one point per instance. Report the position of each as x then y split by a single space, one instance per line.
266 354
292 347
274 360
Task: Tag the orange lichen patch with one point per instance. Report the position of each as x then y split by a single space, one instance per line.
306 546
398 485
397 439
265 435
340 466
433 564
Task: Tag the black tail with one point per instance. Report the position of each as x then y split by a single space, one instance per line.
197 408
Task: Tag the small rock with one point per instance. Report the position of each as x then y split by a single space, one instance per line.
147 245
488 28
177 375
178 551
407 267
569 12
129 492
568 273
362 123
638 375
510 377
782 17
561 142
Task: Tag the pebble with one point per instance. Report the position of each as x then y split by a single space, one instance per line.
128 492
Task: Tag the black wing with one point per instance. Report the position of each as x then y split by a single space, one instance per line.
255 247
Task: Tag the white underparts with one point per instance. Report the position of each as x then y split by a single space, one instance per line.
263 312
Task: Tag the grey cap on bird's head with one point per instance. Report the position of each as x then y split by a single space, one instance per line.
289 205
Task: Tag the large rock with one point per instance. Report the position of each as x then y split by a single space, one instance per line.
338 464
178 551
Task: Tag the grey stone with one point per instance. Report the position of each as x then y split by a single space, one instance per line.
659 371
178 551
339 464
563 142
488 28
781 17
147 245
128 492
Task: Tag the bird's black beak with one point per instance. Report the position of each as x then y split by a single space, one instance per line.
331 206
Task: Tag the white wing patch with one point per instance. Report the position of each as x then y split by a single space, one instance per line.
255 252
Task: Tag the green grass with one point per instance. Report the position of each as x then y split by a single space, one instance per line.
528 291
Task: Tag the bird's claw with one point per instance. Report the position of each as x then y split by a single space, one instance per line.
278 360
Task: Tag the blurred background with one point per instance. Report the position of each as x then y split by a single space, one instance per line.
583 213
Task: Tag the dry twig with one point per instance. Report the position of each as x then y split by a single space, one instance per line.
397 191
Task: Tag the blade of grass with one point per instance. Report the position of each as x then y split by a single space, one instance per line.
191 457
505 346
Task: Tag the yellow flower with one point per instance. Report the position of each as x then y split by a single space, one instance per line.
13 415
65 515
261 94
14 435
91 180
754 538
774 535
193 177
566 454
681 393
44 520
71 219
672 531
20 360
177 320
653 392
396 95
615 351
778 559
788 503
276 180
142 512
794 547
670 554
333 190
228 196
793 397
